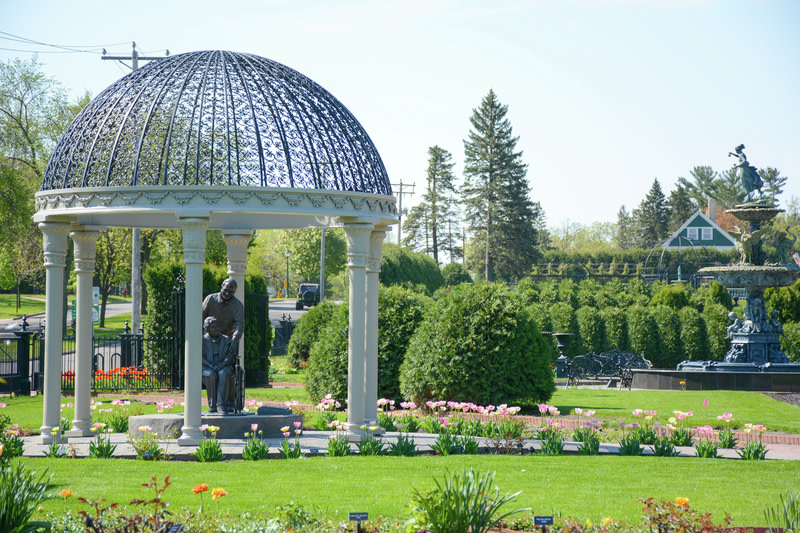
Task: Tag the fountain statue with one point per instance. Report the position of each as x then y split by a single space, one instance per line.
755 341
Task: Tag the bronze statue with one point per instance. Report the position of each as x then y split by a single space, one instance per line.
229 314
219 367
751 181
227 309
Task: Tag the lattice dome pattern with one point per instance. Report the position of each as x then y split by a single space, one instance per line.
216 118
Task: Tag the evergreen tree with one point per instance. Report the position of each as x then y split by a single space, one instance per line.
773 182
729 189
651 218
680 207
624 230
432 225
505 223
703 185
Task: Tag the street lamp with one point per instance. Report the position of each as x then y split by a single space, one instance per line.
286 282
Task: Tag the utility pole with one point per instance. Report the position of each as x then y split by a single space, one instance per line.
136 247
400 191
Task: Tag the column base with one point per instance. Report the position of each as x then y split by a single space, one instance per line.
190 436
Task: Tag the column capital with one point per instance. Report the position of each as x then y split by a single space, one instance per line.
358 242
194 230
85 252
375 248
236 242
54 243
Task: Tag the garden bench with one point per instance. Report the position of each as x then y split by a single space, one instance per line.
612 365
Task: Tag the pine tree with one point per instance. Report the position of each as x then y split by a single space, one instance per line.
680 207
624 230
504 222
773 182
703 185
651 218
432 226
729 190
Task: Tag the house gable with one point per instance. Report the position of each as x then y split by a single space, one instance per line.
700 230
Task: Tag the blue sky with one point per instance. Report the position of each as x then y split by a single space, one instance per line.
604 95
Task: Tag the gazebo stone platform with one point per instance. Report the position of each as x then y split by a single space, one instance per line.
270 420
740 379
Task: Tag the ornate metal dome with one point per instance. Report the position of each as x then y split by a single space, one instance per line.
217 119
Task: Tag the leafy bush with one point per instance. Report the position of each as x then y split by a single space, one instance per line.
716 317
786 301
399 312
563 320
455 274
616 328
694 335
476 344
643 333
711 293
670 348
790 341
592 330
673 296
401 266
308 330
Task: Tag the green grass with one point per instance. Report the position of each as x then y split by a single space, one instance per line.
612 405
578 486
286 375
746 407
34 303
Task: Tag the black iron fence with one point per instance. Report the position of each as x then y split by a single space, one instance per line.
117 363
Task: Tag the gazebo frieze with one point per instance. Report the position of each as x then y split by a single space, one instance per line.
215 198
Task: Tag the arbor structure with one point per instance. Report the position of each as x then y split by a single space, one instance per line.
432 226
505 223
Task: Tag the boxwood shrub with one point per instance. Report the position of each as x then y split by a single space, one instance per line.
400 310
476 344
308 330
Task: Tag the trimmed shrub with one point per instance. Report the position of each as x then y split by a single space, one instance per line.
786 301
308 330
592 330
616 328
694 335
643 333
670 348
455 274
716 317
399 312
476 344
562 318
527 292
711 293
327 362
673 296
401 266
790 341
161 280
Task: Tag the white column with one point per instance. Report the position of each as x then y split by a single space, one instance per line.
371 361
236 243
194 254
55 252
358 237
85 240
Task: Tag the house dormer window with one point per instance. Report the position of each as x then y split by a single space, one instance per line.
691 234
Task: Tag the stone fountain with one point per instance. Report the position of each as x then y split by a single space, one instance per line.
755 342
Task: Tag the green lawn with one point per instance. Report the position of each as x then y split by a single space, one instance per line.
612 405
584 487
34 303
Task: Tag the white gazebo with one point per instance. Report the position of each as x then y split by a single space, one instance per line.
211 140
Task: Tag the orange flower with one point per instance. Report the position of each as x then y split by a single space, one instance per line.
202 487
66 493
218 493
682 502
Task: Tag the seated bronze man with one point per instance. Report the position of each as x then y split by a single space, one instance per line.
219 359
